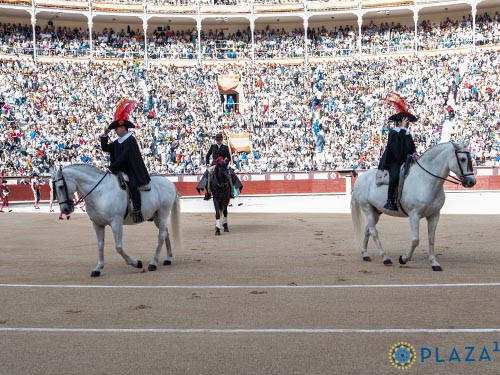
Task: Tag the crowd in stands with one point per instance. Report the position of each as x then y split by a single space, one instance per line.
317 117
269 43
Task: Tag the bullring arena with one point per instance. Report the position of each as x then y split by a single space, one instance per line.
295 86
282 293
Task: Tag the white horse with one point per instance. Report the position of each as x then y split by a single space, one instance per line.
422 196
106 203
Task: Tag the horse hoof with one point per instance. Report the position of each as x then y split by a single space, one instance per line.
95 274
401 261
217 233
139 264
226 229
167 262
387 262
367 259
151 267
437 268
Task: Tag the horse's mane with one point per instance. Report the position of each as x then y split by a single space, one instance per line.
97 169
430 150
220 172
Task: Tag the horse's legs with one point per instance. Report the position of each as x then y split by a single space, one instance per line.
168 258
161 224
224 218
372 218
414 225
99 231
364 246
217 217
118 234
432 223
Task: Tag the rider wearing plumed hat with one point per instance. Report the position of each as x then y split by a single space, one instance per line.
125 155
399 145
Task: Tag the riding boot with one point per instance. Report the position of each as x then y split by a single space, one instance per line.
208 193
136 200
391 197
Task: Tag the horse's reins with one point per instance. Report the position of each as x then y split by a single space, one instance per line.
454 180
91 190
71 202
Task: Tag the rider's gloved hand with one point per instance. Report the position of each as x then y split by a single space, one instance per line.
106 130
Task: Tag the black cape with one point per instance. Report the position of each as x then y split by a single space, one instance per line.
126 157
399 145
236 181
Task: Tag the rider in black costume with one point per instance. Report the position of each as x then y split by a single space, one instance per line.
125 154
399 145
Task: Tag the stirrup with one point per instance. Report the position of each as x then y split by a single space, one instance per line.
391 205
137 217
207 197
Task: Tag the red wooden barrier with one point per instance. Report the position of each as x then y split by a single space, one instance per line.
265 184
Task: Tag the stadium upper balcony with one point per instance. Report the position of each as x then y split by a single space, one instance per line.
223 6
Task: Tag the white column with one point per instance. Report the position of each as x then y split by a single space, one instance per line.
306 43
252 30
360 23
145 30
198 44
474 12
91 40
33 26
415 22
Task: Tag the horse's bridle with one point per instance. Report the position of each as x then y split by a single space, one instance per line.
454 179
68 201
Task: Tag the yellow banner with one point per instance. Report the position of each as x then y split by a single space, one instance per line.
228 82
239 142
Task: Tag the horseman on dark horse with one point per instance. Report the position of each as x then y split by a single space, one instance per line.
218 150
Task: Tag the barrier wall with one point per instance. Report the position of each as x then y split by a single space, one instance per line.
271 184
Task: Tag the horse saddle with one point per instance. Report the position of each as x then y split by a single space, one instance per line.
382 176
123 180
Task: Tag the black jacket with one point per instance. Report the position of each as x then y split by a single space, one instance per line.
126 157
399 145
217 152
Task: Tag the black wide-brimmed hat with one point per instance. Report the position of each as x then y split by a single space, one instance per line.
401 115
218 136
118 123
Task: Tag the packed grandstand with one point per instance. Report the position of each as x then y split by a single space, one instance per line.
295 86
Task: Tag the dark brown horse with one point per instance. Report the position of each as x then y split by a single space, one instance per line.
221 192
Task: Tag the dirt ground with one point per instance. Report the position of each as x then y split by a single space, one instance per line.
279 294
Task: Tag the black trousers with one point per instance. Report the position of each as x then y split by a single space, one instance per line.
133 185
393 181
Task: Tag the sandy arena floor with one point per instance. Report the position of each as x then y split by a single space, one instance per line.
279 294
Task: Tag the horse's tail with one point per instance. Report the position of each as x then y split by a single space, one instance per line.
175 221
356 221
